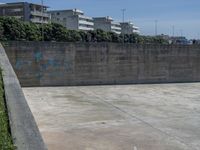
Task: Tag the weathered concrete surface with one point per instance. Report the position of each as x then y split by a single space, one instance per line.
50 64
25 133
129 117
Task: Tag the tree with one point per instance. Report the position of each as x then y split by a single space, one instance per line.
32 32
13 29
1 31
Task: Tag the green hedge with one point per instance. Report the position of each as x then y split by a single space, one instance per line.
14 29
5 136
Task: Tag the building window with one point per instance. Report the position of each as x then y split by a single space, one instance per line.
58 13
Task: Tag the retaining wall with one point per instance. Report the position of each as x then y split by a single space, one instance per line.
59 64
24 130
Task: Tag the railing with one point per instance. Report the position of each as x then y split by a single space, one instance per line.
86 22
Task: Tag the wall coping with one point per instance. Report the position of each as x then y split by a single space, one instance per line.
24 130
101 43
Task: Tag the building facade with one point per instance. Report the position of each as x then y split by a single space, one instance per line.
72 19
107 24
129 28
25 11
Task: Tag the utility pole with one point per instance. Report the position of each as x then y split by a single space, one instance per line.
156 27
173 30
123 14
181 32
42 2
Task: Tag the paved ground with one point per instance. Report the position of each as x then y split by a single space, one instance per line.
130 117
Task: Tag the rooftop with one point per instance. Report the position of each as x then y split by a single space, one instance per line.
64 10
20 3
106 18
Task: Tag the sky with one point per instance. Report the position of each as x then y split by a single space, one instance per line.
184 15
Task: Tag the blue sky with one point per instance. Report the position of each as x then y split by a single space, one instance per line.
184 15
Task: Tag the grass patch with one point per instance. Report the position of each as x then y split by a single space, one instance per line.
5 136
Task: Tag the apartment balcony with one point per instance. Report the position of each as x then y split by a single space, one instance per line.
85 17
85 28
117 32
86 22
135 28
41 14
136 31
115 28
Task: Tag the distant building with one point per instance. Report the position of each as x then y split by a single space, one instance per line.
25 11
73 19
107 24
129 28
179 40
195 41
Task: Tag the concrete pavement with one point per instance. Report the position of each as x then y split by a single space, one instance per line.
125 117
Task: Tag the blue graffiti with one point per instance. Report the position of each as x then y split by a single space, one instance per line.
38 56
67 65
22 63
54 63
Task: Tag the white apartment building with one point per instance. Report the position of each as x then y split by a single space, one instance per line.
107 24
129 28
72 19
25 11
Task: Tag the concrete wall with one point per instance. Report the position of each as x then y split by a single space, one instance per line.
49 64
